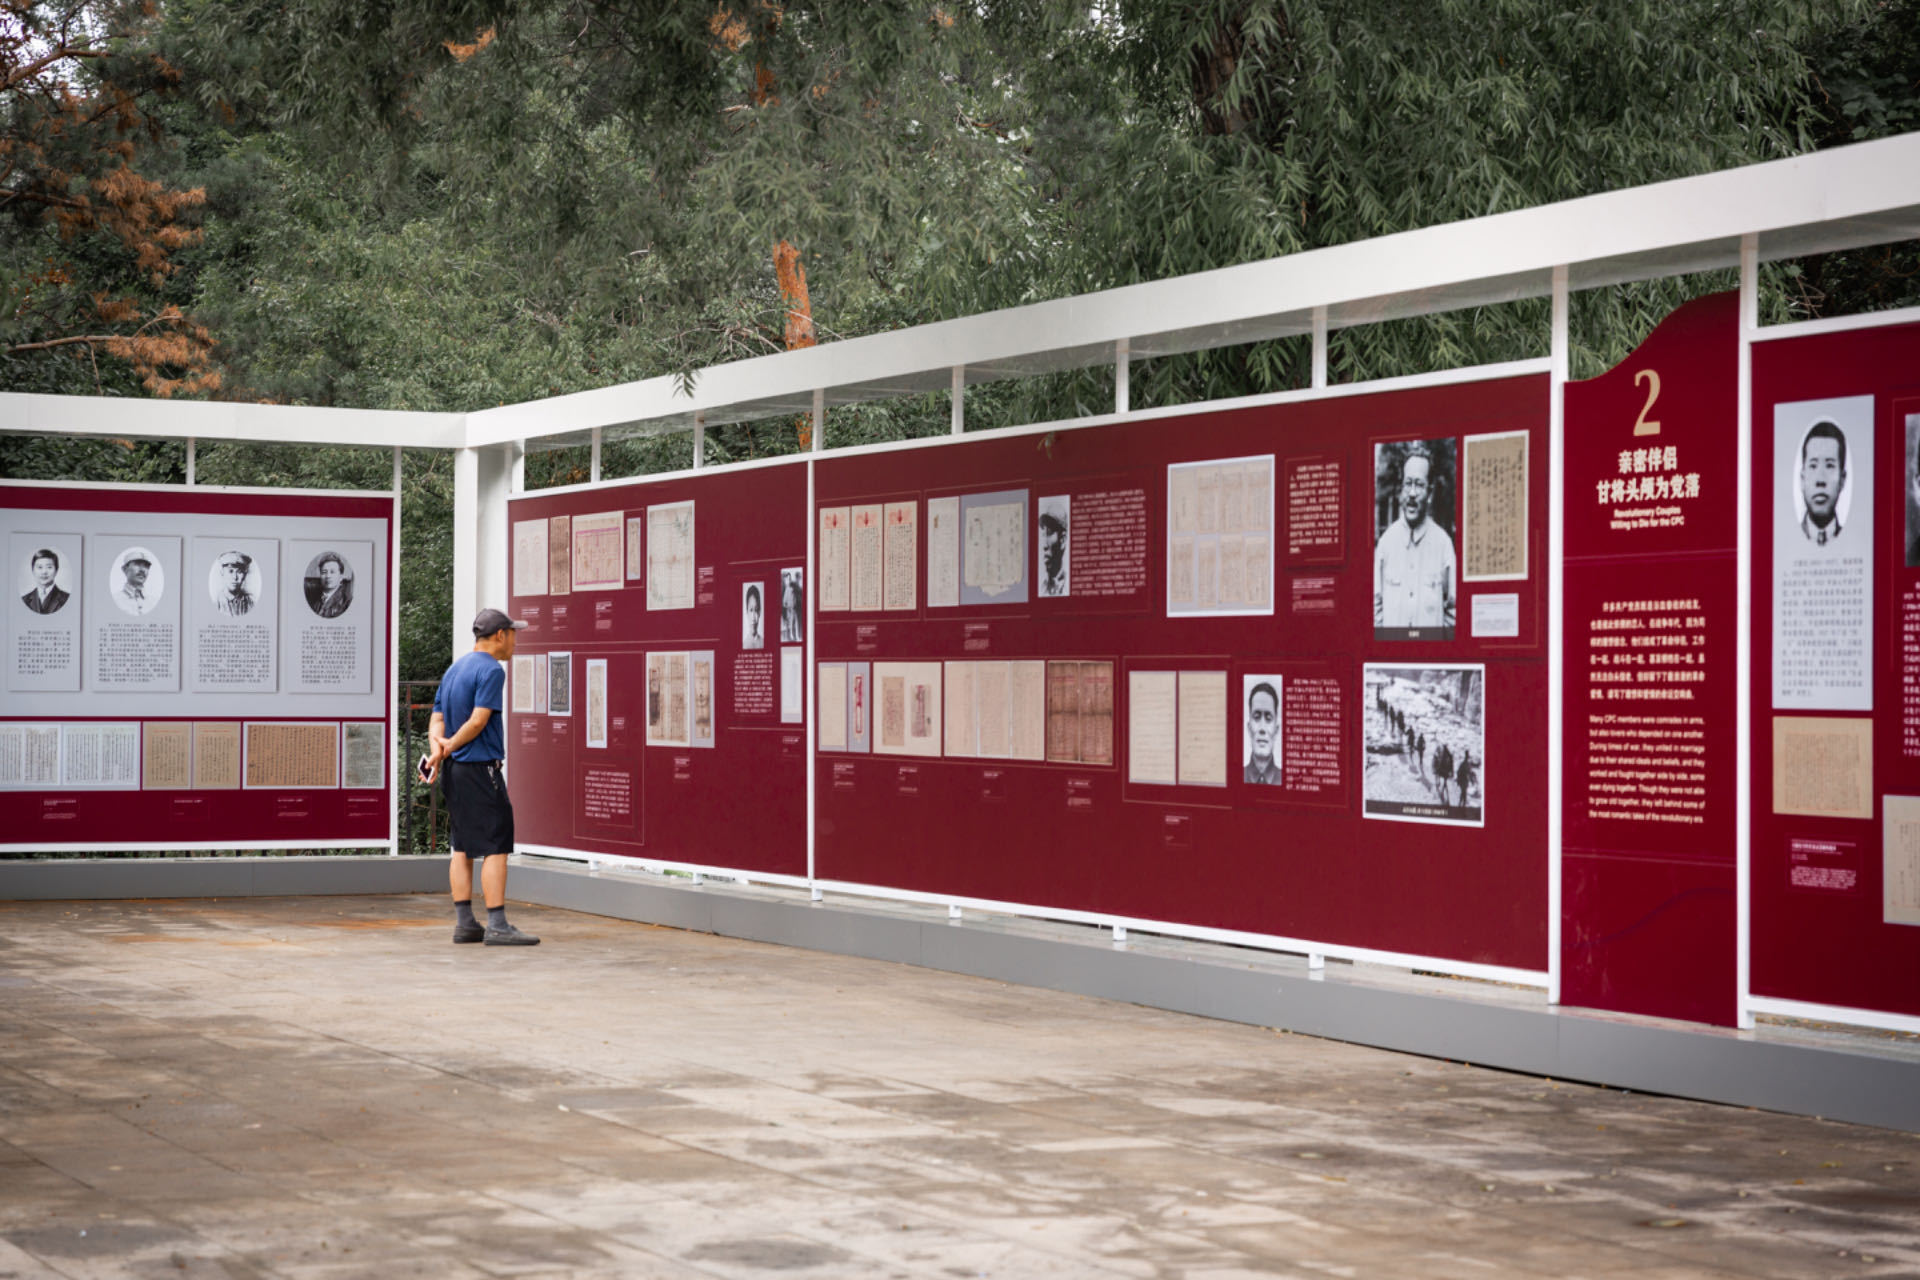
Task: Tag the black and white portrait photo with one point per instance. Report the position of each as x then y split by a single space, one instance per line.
1913 490
1426 743
1823 552
1823 500
793 606
136 582
234 583
49 581
1056 519
1414 568
1260 711
329 585
753 615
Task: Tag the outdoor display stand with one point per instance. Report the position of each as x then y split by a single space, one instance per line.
1197 669
1609 687
197 667
1836 669
657 696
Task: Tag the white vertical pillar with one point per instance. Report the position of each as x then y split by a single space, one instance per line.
191 459
593 464
393 647
482 482
466 546
819 419
699 438
958 399
517 481
1319 348
1743 640
1556 620
812 582
1122 375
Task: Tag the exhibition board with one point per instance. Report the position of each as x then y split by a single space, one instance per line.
1225 669
1836 669
196 667
656 698
1648 840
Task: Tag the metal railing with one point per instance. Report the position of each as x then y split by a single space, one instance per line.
414 714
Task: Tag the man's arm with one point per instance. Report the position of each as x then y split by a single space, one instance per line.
470 730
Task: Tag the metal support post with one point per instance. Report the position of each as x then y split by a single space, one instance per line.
191 458
1319 348
819 418
953 913
1743 639
593 464
1122 375
1556 619
959 399
699 438
1316 961
1119 935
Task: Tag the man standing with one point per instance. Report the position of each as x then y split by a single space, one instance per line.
1263 724
1413 560
45 597
236 601
480 813
1823 474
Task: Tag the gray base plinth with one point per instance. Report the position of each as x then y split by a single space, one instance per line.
50 879
1838 1075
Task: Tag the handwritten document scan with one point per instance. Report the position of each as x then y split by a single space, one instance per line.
993 541
1219 537
599 551
1152 755
670 536
287 755
834 552
943 552
1493 499
530 557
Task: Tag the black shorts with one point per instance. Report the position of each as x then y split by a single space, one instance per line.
478 811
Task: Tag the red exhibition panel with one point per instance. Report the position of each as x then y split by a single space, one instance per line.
1039 654
672 742
1836 669
1647 890
195 668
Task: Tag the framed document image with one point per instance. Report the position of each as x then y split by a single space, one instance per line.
1425 743
1415 575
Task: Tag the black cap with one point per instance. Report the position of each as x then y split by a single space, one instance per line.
488 621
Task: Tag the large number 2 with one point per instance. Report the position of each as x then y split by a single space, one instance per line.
1643 425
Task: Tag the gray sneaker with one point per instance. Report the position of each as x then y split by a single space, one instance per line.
508 936
469 932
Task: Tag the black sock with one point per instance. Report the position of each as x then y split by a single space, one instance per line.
463 913
496 917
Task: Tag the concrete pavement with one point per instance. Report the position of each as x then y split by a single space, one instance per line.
327 1087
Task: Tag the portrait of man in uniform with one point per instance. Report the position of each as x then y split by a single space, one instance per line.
1823 477
234 586
138 588
1413 558
1055 517
45 595
1262 766
329 585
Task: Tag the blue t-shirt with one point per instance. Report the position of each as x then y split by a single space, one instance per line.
474 680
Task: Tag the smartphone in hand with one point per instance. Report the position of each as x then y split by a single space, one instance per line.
426 769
